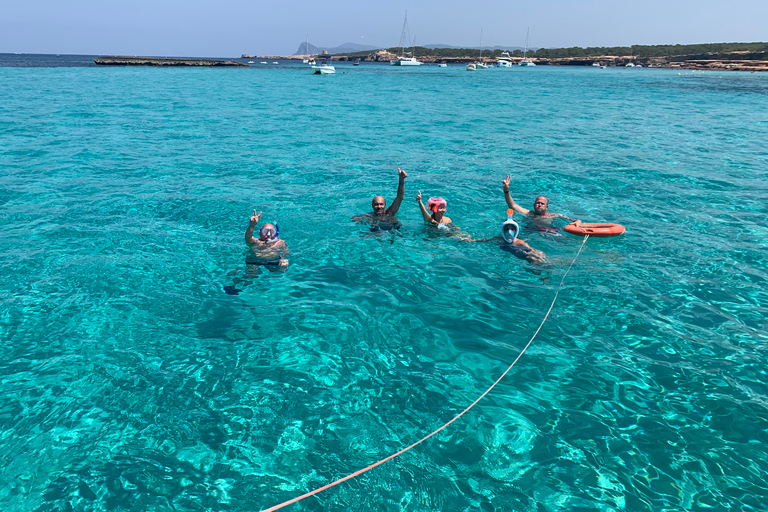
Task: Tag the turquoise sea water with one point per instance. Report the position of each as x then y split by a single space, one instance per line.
131 381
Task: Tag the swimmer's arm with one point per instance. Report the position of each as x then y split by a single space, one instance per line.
470 239
573 221
424 212
511 202
252 224
283 249
392 210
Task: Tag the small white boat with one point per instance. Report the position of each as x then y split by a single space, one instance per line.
442 65
250 62
526 62
481 65
312 62
263 62
471 66
629 65
505 61
275 62
324 69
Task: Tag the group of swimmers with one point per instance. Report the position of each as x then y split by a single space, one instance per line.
270 251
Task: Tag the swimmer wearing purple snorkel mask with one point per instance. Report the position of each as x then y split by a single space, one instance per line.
269 249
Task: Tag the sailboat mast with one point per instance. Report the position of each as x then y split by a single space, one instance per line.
403 35
481 46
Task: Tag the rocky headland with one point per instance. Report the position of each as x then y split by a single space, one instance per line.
163 61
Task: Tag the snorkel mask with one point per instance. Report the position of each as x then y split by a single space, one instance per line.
270 233
434 202
510 228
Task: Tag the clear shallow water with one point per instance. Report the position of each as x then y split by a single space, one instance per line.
131 381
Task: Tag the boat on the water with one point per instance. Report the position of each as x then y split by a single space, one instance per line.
405 37
505 61
324 69
526 62
442 65
472 66
479 64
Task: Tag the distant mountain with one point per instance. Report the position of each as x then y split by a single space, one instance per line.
491 48
310 49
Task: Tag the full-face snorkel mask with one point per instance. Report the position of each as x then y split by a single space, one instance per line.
510 228
434 202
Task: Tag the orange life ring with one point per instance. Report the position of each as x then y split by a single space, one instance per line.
604 229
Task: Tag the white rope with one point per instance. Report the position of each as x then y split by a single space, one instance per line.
382 461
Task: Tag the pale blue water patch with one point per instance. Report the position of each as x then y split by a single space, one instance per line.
131 381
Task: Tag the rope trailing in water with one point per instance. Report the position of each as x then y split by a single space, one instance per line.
382 461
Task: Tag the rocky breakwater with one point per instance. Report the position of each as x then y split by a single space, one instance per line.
163 61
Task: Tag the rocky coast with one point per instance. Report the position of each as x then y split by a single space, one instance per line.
163 61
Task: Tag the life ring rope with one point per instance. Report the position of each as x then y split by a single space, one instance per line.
407 448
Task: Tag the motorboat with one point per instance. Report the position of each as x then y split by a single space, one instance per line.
356 62
251 62
471 66
263 62
275 62
505 61
323 69
312 61
442 65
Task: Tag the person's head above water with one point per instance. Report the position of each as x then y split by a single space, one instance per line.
379 205
268 233
437 204
540 205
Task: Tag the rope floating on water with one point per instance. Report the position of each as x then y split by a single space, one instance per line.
407 448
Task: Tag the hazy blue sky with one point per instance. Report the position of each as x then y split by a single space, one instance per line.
228 28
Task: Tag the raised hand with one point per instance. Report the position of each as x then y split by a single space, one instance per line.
505 184
401 173
255 217
418 196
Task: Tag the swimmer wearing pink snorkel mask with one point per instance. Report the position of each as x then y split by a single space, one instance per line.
438 207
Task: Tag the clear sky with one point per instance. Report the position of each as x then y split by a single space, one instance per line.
229 28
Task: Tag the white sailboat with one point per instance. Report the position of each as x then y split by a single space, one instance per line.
526 62
306 50
404 38
479 64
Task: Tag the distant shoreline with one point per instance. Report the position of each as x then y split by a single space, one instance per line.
720 64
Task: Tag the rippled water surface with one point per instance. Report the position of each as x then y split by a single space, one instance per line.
131 381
